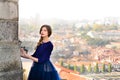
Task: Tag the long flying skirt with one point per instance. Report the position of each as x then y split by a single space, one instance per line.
43 71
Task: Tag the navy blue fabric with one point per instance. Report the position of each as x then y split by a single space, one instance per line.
43 69
43 52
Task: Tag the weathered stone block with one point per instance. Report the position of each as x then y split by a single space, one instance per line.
8 30
8 10
10 63
12 75
9 0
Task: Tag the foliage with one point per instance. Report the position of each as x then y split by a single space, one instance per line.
68 66
84 36
97 42
103 67
109 67
94 41
100 27
75 68
89 68
82 69
96 68
61 63
97 27
71 67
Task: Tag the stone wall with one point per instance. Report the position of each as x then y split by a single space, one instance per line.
10 62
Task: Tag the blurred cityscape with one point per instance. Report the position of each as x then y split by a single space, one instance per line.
78 42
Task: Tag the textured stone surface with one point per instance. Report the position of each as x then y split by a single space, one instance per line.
9 0
12 75
10 67
8 10
8 30
9 51
10 61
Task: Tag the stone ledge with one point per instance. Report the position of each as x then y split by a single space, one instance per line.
9 45
8 0
9 10
13 19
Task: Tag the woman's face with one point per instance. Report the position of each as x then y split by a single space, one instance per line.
44 32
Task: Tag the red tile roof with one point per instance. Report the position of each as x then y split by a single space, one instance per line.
68 74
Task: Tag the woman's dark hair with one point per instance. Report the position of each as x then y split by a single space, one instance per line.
48 27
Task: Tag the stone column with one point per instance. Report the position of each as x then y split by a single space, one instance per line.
10 62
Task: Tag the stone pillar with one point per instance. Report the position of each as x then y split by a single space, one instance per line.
10 62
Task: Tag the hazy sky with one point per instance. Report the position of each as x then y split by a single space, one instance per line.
69 9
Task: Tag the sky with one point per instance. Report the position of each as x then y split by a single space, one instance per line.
69 9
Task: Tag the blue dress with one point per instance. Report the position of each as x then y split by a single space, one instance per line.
43 69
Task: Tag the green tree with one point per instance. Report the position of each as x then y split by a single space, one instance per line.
71 67
97 27
96 69
87 27
82 69
109 67
61 63
97 42
103 67
75 68
113 27
68 66
89 68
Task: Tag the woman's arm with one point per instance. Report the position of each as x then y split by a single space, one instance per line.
27 56
32 58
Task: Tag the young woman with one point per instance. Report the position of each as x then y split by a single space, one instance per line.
42 68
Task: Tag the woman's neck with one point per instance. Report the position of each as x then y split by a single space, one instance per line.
45 39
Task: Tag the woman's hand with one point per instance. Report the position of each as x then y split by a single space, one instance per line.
23 53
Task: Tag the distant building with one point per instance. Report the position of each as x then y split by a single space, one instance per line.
108 35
